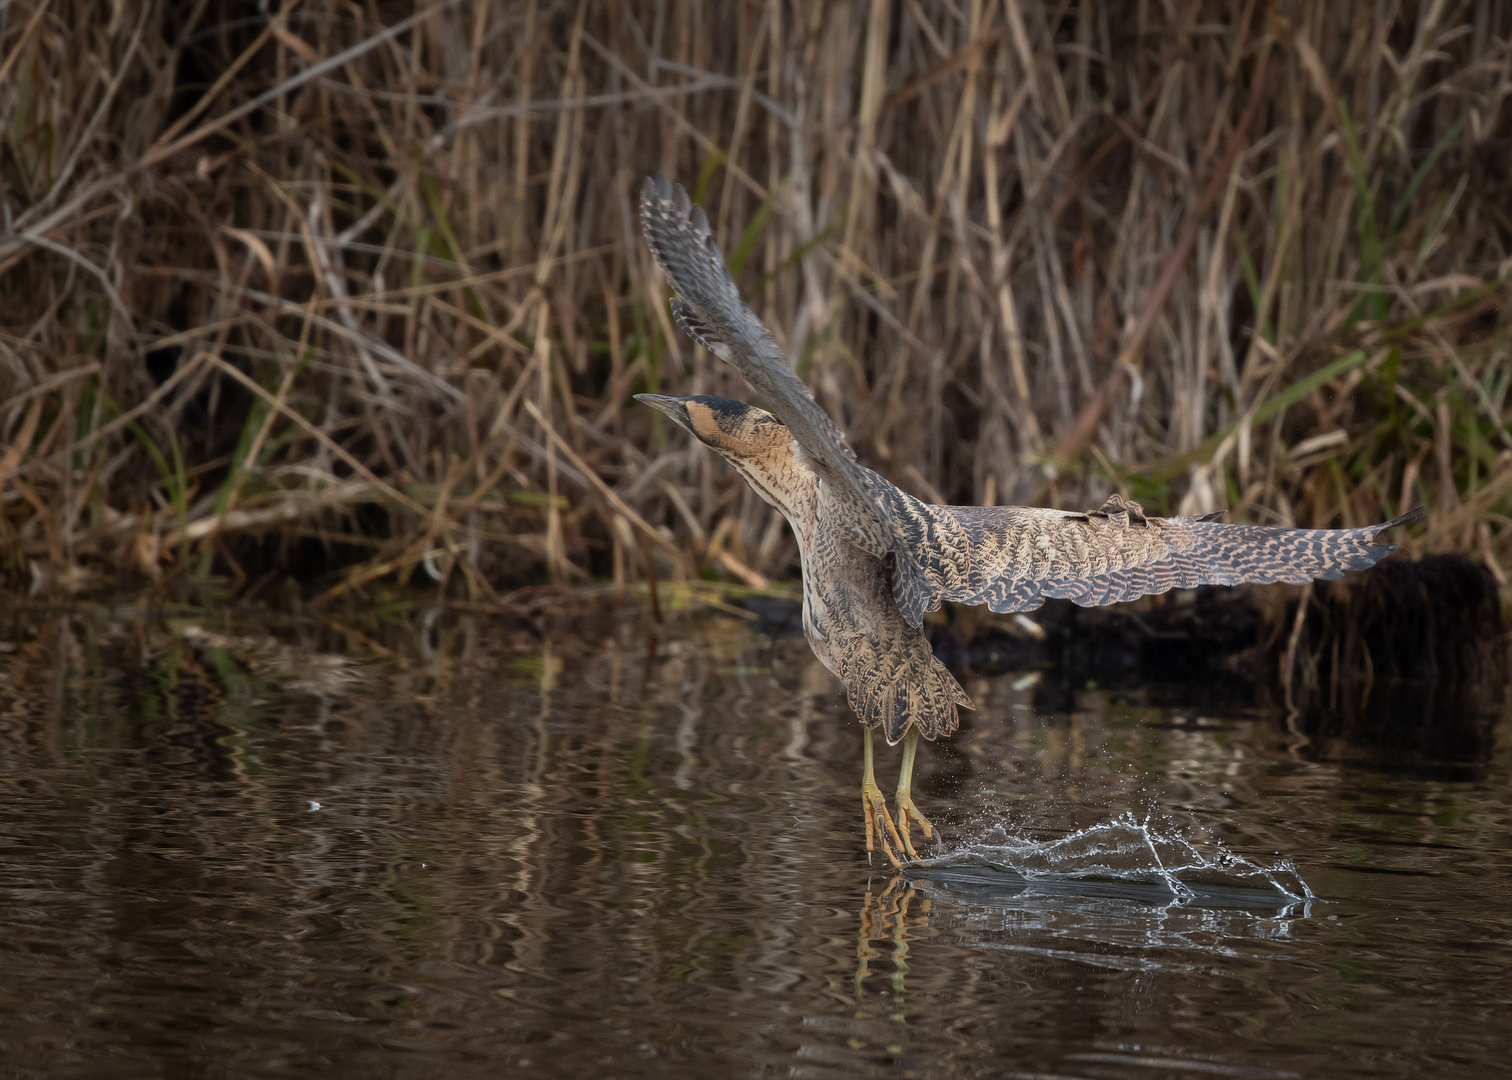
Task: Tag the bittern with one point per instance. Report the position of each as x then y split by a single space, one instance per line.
874 559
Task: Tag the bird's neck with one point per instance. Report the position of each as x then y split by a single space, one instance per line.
784 481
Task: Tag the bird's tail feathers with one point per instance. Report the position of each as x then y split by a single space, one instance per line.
924 693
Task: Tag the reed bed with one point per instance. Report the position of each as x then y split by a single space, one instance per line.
349 293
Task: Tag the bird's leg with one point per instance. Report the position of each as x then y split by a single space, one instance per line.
879 823
907 811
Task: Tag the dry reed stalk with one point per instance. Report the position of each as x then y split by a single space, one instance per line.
347 293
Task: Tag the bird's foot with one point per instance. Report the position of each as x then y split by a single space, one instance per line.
880 829
907 814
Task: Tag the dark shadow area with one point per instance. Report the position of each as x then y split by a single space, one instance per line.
1404 667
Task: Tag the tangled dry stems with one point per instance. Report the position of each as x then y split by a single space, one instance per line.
348 291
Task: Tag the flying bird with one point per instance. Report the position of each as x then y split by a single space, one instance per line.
875 559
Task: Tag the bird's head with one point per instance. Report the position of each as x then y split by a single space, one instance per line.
741 432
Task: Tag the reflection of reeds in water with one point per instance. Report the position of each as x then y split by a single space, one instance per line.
1406 666
524 833
326 294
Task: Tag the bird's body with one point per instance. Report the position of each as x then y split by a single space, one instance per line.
874 558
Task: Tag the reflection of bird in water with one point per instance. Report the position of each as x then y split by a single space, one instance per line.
875 559
886 917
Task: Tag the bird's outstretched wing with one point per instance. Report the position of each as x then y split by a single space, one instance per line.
1014 558
708 307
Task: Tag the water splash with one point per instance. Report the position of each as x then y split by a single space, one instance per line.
1124 858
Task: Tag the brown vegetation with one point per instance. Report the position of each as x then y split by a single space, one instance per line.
352 290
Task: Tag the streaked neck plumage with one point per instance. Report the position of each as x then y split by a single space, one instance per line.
780 477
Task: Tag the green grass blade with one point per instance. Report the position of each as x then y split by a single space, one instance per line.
750 236
1422 173
1373 305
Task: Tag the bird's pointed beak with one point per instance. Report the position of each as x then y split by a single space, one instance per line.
669 405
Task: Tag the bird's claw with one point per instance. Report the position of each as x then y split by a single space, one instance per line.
879 826
907 814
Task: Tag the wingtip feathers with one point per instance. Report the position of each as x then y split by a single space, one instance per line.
1417 513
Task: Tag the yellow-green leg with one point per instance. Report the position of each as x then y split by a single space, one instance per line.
907 811
879 823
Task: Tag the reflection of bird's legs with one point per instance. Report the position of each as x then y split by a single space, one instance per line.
879 823
887 917
865 954
907 811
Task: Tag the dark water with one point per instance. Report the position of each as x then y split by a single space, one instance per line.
493 851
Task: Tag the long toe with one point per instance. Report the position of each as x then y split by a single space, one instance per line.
908 813
880 830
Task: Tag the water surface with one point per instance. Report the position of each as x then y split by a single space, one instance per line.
459 846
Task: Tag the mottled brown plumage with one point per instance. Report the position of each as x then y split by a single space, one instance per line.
708 307
875 559
1013 558
891 675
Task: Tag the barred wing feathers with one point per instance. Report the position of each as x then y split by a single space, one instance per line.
709 309
1015 558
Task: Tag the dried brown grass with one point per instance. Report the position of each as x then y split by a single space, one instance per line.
355 290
